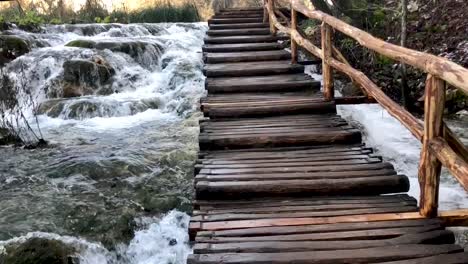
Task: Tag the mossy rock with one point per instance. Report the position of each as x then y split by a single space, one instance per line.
81 43
12 47
132 48
40 251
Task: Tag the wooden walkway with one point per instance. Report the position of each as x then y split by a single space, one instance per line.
281 178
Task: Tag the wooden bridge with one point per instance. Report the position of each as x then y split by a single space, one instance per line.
281 178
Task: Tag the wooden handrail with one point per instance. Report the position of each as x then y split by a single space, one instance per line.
440 145
443 68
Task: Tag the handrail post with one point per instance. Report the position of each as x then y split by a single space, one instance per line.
265 11
271 6
327 71
294 54
430 166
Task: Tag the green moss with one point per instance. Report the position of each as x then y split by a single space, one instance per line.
383 60
80 43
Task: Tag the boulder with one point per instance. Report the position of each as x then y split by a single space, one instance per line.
40 251
134 49
11 47
84 77
349 89
8 138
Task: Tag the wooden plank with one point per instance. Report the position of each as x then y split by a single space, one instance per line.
352 186
432 237
243 39
295 176
275 208
324 228
251 69
271 110
374 234
238 32
242 47
370 255
234 20
247 56
290 82
354 167
239 26
280 139
253 203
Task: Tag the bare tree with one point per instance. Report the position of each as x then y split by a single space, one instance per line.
15 99
404 83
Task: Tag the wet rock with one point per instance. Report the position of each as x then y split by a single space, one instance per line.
83 77
9 138
11 47
462 115
456 100
172 242
40 251
349 89
139 50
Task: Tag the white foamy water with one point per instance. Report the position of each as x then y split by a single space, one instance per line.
398 146
160 241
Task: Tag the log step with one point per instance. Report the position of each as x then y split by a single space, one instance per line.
263 106
257 68
244 39
238 15
287 133
277 83
239 26
239 32
228 48
369 255
248 56
235 20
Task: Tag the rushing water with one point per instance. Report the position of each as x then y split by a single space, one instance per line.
120 165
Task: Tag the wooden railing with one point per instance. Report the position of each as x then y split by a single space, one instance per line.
440 145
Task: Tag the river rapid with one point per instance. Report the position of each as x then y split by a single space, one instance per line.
116 181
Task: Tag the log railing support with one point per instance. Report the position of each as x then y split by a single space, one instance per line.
327 70
265 12
430 166
271 6
294 54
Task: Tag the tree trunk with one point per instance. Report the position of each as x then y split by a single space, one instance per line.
404 84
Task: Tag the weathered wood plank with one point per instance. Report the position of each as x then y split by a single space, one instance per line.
238 32
251 69
239 47
432 237
243 39
234 20
374 234
320 228
290 82
370 255
247 56
353 186
239 26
